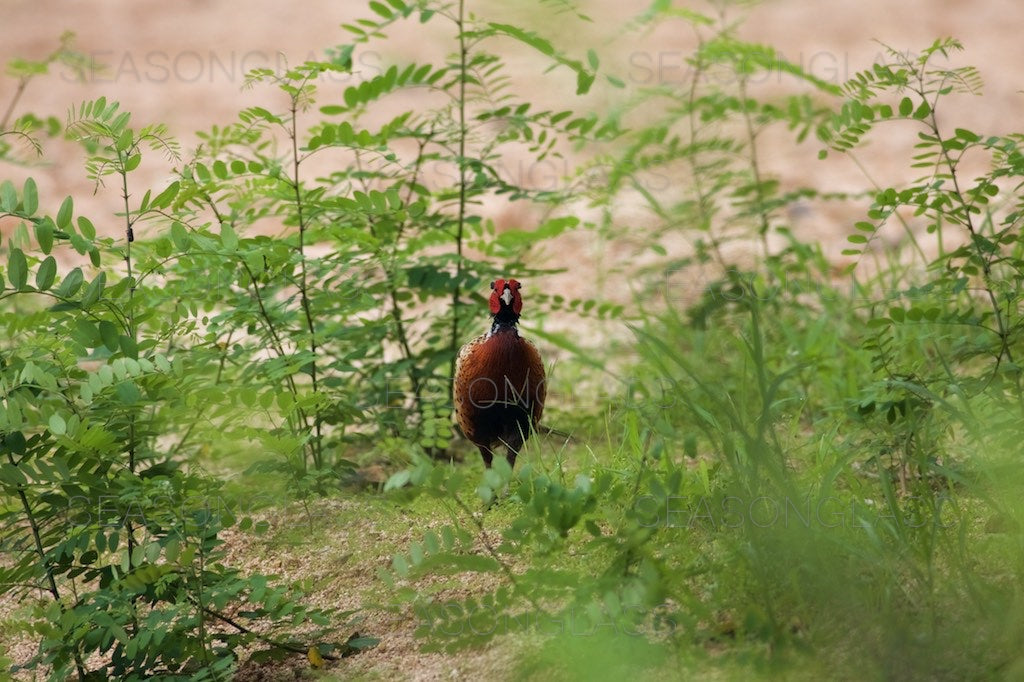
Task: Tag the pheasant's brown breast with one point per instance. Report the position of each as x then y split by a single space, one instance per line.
494 373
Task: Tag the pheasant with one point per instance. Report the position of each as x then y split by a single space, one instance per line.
499 380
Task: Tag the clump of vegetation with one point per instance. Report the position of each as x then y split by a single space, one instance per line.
797 471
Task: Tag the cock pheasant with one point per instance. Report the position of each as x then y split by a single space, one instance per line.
499 380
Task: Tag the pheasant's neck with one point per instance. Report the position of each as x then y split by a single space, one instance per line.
504 323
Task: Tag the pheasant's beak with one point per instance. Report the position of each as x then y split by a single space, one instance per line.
506 296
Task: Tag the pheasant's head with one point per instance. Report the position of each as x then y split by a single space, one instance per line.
506 302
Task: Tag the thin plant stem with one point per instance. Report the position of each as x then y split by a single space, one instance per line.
316 447
460 228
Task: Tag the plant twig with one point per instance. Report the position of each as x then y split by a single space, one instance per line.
463 55
287 646
316 448
44 560
19 91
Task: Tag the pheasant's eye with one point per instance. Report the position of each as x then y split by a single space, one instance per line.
492 285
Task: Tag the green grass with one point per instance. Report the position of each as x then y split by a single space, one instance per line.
756 520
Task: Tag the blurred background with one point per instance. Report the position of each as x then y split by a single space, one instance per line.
184 64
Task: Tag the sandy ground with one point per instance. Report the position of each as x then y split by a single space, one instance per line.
183 63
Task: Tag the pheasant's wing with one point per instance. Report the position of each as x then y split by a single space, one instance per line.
462 383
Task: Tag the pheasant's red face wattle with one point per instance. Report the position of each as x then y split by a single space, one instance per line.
507 291
517 299
497 286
